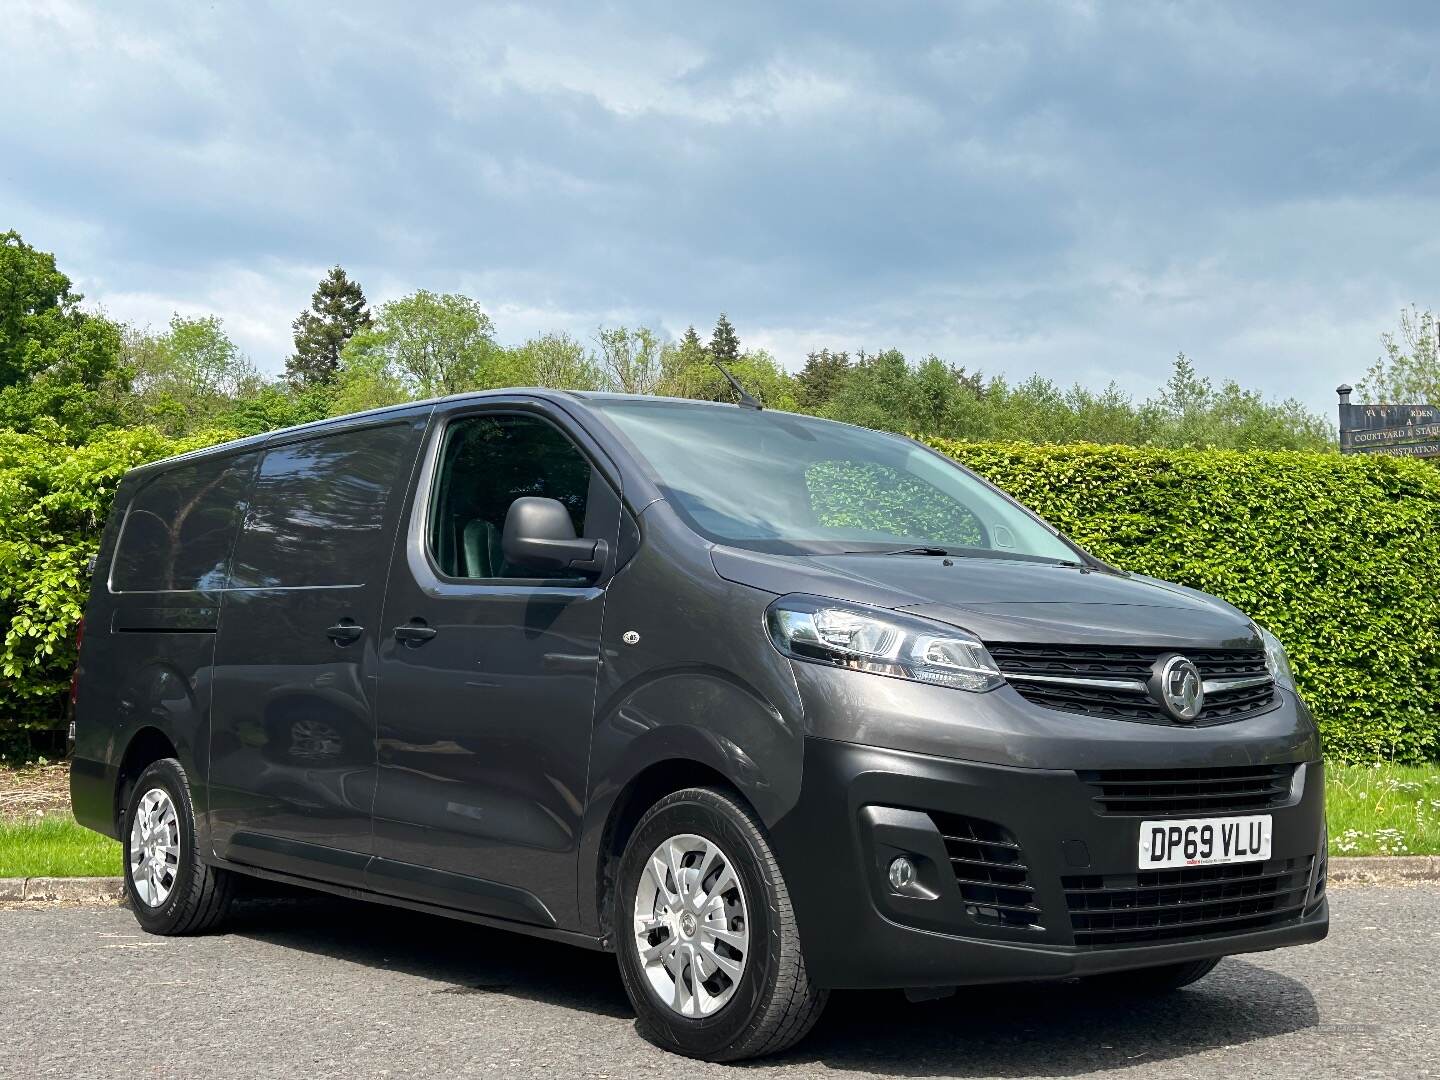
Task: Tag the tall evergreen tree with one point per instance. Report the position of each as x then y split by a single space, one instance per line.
337 310
691 345
685 367
724 342
820 379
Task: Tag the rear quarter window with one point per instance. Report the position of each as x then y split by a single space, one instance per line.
180 527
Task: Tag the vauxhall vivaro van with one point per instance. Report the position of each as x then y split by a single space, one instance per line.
765 705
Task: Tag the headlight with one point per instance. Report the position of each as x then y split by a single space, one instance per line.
881 642
1276 661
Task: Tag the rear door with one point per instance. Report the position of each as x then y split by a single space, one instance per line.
292 759
150 624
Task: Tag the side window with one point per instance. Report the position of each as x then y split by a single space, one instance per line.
318 512
180 527
486 463
861 495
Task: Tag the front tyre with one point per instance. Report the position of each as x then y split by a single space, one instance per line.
169 888
708 947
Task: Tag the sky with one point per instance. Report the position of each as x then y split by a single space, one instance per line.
1075 189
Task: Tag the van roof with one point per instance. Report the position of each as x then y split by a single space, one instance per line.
248 442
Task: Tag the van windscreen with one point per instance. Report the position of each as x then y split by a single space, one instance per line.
797 485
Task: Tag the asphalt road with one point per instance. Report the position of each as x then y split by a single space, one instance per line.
314 988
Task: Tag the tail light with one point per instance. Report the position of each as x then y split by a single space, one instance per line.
75 675
74 689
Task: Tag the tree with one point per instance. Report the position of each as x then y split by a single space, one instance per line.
879 392
724 342
337 312
276 405
557 361
631 360
686 370
186 376
367 379
689 372
57 361
763 378
1190 412
885 391
35 304
424 345
1409 372
691 342
820 379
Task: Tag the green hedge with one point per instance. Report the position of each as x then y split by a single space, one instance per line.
53 502
1338 556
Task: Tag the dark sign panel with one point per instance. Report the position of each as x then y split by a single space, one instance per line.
1399 430
1422 449
1394 435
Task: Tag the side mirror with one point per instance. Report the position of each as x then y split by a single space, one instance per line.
539 536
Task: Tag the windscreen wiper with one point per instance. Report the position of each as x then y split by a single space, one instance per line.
920 550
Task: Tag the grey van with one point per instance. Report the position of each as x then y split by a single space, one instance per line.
763 704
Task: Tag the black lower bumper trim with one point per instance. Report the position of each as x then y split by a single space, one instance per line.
862 807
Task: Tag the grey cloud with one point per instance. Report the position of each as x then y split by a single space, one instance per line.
1130 178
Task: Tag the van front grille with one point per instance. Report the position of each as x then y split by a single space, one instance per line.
990 870
1106 661
1189 792
1028 667
1196 901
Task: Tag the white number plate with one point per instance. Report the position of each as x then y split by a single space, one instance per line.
1204 841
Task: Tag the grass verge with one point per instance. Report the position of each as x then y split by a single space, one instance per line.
54 846
1373 810
1383 809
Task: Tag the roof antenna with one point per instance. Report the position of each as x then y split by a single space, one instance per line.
747 400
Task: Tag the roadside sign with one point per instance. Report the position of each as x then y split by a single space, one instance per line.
1424 449
1397 430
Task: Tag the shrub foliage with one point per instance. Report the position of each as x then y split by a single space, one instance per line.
54 499
1338 556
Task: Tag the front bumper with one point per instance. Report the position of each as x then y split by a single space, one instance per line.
862 806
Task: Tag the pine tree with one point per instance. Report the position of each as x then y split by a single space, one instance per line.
685 366
337 310
724 343
821 378
691 345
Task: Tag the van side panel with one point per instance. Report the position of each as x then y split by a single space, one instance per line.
677 694
292 744
150 627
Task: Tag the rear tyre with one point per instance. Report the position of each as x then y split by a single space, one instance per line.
1156 980
169 888
707 942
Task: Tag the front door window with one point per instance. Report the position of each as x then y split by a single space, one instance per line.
487 463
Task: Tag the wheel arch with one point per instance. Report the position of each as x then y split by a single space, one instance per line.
644 790
146 746
685 727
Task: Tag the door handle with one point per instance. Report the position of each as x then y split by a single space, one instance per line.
345 633
414 634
